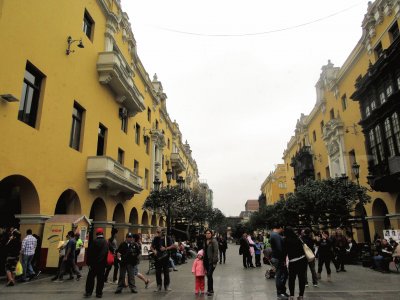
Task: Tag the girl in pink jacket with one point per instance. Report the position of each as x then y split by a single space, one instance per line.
199 272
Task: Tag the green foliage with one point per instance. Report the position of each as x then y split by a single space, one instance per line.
328 203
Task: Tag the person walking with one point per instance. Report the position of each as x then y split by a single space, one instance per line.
199 272
278 261
309 241
339 242
61 253
128 252
113 246
136 239
222 246
297 262
160 246
252 251
79 246
325 254
68 264
97 261
12 251
210 259
28 248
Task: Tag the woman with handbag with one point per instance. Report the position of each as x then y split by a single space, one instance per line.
293 246
13 248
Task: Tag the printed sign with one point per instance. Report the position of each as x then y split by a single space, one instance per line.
391 234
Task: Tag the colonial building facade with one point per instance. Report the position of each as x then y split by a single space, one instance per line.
339 132
84 130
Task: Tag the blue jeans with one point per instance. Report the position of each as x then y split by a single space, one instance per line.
27 266
281 275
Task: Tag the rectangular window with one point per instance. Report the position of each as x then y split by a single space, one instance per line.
394 32
314 135
149 114
372 144
156 124
382 97
378 50
169 144
344 102
352 160
332 114
367 111
373 105
136 167
101 140
76 128
121 154
379 144
29 104
146 179
389 137
123 115
389 90
147 142
327 172
398 82
137 134
322 126
88 25
396 129
318 176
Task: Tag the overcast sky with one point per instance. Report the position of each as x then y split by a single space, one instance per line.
238 74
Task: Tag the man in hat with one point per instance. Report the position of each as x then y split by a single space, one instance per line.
97 261
128 253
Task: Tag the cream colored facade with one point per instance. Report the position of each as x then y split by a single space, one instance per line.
101 132
330 133
274 186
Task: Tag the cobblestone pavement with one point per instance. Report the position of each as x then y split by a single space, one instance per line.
231 282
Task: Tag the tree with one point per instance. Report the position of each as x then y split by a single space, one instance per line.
217 220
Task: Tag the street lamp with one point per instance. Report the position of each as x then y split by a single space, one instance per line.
356 171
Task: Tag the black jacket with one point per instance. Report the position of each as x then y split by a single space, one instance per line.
129 253
97 253
244 246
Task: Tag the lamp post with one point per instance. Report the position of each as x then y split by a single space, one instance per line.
356 171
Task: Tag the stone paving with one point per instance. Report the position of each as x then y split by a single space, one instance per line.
231 282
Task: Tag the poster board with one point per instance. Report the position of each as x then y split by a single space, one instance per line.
391 233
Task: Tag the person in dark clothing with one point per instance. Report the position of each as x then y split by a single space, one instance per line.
324 254
68 263
159 245
222 246
210 259
128 252
245 250
339 242
297 262
308 239
113 246
278 261
12 251
97 261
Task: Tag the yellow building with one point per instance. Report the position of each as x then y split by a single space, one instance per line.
84 130
274 186
329 140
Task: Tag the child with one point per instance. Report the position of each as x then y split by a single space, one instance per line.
257 251
199 272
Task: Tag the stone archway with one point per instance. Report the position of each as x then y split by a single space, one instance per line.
145 218
98 211
18 196
379 212
133 217
361 225
68 203
119 218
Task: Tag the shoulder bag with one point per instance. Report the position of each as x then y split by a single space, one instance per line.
308 252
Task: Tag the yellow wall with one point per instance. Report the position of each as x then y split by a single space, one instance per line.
40 157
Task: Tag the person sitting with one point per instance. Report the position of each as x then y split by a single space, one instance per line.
383 256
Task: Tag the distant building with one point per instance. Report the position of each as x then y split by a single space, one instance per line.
251 205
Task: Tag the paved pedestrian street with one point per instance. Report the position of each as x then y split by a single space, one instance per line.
231 281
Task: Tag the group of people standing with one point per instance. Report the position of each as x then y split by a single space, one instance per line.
290 261
249 249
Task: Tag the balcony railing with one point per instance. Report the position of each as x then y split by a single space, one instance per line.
115 73
103 171
177 162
